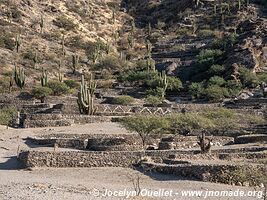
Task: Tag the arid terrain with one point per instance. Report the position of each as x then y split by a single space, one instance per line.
81 183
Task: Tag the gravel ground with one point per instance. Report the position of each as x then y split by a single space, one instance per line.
91 183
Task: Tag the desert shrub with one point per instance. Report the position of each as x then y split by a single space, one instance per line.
72 84
262 77
186 123
233 87
153 100
4 84
181 32
177 48
174 84
208 55
77 42
7 114
136 76
105 84
216 93
157 92
216 69
41 92
196 90
58 88
7 41
65 23
248 78
123 100
225 42
30 55
206 33
112 63
216 80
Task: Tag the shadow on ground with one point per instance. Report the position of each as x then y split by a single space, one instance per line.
11 164
161 177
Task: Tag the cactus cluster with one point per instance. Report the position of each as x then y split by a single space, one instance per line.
19 77
86 96
44 78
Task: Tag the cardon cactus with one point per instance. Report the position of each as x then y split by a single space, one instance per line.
86 96
18 42
44 78
75 62
163 83
19 77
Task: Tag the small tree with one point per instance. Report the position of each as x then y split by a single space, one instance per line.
144 125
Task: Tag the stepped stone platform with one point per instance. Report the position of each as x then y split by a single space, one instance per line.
120 142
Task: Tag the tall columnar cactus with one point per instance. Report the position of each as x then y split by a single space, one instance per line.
42 24
150 63
149 32
75 62
107 47
239 4
163 83
63 45
19 76
35 59
132 26
60 76
96 53
130 40
44 78
11 82
113 16
18 42
148 48
86 96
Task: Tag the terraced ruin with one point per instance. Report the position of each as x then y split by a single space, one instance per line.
134 96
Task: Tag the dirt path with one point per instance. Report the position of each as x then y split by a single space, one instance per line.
83 184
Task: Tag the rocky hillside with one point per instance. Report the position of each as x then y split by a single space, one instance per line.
48 33
210 49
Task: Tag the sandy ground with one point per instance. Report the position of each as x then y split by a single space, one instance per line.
92 183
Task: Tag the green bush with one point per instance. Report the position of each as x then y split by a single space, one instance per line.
216 70
188 122
196 90
225 42
41 92
7 114
111 63
153 100
216 80
208 55
206 33
123 100
157 92
216 93
174 84
72 84
248 78
65 23
58 88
